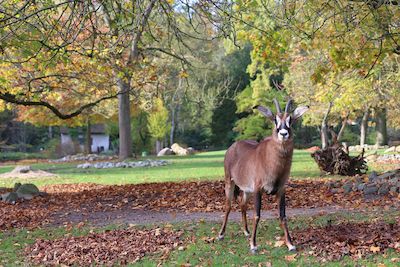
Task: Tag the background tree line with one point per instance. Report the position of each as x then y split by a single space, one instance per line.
158 72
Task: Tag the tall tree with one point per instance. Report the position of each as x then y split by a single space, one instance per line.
123 37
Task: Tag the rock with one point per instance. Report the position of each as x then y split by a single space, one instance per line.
397 148
164 152
361 186
386 175
371 158
10 197
123 164
390 149
372 176
190 150
370 189
384 189
394 189
394 180
22 169
180 151
347 187
22 191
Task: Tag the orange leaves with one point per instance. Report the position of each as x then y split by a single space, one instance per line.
107 248
349 239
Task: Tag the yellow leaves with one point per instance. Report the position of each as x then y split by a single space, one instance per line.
279 243
374 249
291 258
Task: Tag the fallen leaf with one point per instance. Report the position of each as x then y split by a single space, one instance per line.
291 257
374 249
279 243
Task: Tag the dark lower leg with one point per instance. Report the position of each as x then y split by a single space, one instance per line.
283 221
257 213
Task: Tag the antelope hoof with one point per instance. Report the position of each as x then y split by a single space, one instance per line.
291 248
221 237
253 249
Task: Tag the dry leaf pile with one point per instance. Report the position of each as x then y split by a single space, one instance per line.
107 248
178 197
349 239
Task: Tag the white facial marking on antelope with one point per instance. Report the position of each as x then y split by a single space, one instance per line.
256 168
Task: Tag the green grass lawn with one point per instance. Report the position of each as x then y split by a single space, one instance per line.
202 166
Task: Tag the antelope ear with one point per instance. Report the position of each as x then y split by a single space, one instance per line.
266 112
299 111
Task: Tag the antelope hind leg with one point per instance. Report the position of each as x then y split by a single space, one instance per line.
257 213
243 208
229 191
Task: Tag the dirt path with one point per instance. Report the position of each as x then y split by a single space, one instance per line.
149 217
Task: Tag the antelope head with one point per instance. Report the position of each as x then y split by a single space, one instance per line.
283 121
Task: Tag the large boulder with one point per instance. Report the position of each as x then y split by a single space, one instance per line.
22 191
22 169
164 152
180 151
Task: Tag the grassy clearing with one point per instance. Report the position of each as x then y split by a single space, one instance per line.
202 166
233 251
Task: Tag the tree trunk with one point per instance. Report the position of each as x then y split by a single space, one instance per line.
124 120
381 130
50 132
158 146
324 128
88 144
172 131
341 131
364 127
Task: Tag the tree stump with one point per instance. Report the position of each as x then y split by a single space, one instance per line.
335 160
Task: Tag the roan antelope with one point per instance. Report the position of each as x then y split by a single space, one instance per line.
255 168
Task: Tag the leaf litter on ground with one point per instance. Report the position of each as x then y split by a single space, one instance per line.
206 196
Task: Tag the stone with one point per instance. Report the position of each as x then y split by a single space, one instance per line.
165 151
384 189
371 189
22 169
10 197
347 187
394 180
390 149
386 175
394 189
398 148
30 189
372 176
178 150
361 186
372 157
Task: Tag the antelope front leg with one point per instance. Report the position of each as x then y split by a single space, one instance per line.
257 212
283 221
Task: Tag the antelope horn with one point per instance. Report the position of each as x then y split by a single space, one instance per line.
288 106
278 108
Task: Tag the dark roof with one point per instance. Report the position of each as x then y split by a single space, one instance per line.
94 129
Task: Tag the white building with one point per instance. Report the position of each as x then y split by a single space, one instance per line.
100 139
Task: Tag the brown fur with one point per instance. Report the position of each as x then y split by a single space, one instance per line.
256 168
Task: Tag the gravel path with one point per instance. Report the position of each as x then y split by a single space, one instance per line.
149 217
